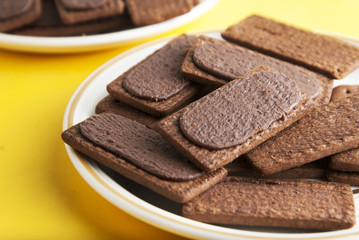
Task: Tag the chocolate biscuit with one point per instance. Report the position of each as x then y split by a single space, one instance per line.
344 91
326 130
16 14
109 104
345 161
215 62
223 98
273 202
324 54
351 178
179 191
50 24
145 12
139 145
241 167
155 85
81 11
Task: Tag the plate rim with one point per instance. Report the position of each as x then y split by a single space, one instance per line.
149 213
75 44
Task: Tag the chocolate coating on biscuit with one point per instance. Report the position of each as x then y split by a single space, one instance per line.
229 63
239 109
12 8
159 76
140 145
82 4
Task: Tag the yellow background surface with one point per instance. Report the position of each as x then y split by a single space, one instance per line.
41 194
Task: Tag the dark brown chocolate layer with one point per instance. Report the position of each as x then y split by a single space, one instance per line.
240 109
321 53
328 129
140 145
273 202
159 77
177 191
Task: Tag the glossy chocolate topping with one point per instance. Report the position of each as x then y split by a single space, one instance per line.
243 107
140 145
159 76
82 4
227 62
12 8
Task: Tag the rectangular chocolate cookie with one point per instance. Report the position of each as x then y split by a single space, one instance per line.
156 85
179 191
50 24
226 61
109 104
82 11
241 167
321 53
326 130
15 14
145 12
273 202
214 144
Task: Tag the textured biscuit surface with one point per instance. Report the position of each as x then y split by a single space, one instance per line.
324 54
241 167
351 178
345 161
328 129
273 202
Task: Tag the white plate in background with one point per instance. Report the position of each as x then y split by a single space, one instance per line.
73 44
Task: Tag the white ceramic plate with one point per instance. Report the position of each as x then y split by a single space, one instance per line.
100 41
143 203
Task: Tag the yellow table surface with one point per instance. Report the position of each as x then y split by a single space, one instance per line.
41 194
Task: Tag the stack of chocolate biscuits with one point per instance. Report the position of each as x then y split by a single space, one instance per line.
234 128
80 17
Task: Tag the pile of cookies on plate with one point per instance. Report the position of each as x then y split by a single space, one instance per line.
233 128
79 17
